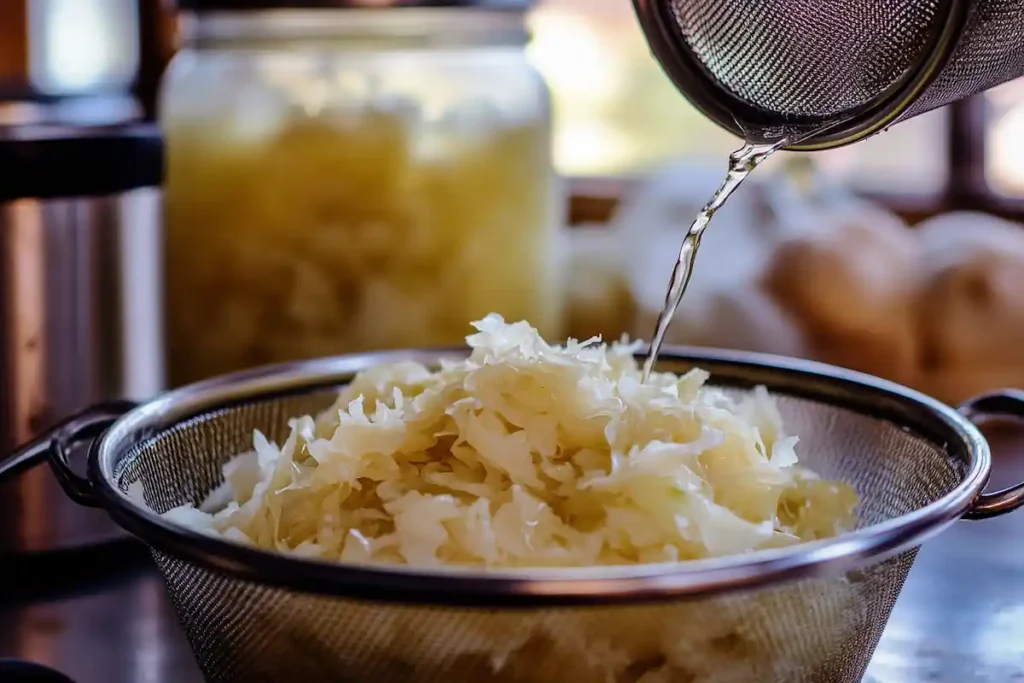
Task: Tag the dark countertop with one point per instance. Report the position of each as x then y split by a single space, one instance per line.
960 618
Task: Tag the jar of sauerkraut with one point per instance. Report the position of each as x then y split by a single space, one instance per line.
353 174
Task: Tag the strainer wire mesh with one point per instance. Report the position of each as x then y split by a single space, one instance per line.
814 58
820 630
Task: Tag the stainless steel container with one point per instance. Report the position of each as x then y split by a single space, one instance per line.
79 301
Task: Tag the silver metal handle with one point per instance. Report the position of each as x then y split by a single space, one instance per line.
1005 403
56 445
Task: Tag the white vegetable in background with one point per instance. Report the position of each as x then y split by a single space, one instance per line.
655 218
527 454
723 306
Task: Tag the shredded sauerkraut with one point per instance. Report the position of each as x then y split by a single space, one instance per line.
526 454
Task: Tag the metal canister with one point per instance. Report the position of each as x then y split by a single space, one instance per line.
80 303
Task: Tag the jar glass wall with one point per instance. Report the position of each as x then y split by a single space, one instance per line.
353 179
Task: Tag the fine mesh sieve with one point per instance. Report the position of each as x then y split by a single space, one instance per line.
813 613
764 68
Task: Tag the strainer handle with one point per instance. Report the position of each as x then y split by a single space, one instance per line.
1005 403
58 443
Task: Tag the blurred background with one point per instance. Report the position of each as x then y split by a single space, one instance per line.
340 180
184 195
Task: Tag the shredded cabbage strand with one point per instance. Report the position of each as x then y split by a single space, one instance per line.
526 454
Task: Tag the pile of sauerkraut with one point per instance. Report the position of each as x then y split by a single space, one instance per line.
387 216
526 454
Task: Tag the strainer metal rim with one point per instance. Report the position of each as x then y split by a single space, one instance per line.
704 93
526 587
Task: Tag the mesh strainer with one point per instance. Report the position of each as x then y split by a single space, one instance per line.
760 66
810 613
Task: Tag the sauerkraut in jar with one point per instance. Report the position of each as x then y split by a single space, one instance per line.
343 180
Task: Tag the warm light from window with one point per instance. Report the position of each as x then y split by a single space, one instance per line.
585 73
576 59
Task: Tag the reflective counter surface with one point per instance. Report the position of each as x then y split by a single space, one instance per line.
960 618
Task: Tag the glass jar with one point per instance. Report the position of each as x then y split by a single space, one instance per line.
349 179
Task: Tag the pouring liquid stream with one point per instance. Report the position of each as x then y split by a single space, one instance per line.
741 163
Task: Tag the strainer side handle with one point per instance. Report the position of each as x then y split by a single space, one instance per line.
56 445
1005 403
